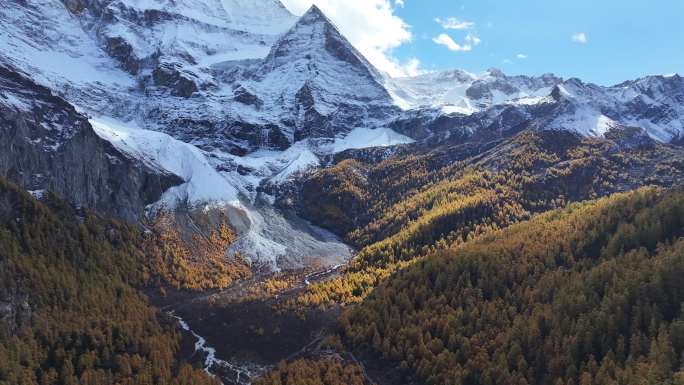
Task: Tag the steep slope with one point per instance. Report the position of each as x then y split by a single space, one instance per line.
43 39
47 145
587 294
122 183
399 208
68 310
251 99
654 103
219 184
330 88
178 42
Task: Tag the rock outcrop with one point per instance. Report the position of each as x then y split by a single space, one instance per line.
47 145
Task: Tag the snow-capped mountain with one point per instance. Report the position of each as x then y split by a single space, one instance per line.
48 145
238 76
464 105
654 103
43 39
463 92
225 99
184 38
316 84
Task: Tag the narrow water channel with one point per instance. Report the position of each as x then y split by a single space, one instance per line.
226 372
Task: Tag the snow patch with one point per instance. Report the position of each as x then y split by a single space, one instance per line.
299 158
203 184
14 101
366 137
585 121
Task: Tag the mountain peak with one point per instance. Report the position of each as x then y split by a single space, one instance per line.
313 16
314 10
315 39
314 72
495 72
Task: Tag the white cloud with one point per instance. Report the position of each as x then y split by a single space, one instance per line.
508 61
521 56
413 67
579 37
454 23
399 3
447 41
473 39
370 25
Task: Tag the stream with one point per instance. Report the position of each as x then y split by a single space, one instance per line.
294 335
226 372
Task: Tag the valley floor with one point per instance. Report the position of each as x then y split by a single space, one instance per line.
248 325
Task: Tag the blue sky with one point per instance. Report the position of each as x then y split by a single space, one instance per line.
624 39
614 40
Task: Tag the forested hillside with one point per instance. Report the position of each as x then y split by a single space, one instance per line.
328 371
590 294
69 310
406 207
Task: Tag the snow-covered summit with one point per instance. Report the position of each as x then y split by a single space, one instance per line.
313 36
653 103
239 76
316 84
175 43
458 91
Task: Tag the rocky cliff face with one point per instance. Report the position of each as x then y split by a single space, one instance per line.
47 145
181 38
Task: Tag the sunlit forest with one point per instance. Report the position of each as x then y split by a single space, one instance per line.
76 315
412 206
534 269
591 294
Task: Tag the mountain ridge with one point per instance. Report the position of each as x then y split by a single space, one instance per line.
254 120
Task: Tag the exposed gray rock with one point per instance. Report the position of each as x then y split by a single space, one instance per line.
47 145
630 138
180 83
242 95
119 49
